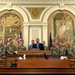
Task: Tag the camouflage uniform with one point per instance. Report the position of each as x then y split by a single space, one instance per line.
62 50
46 48
54 50
2 50
21 47
70 51
11 49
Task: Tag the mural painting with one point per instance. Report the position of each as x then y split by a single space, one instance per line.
10 25
62 27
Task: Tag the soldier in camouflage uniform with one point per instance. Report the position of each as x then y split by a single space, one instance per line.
62 49
70 50
54 49
2 48
10 47
45 47
21 45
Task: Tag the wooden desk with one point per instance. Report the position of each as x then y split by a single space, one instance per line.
2 63
37 66
34 52
40 67
10 58
43 63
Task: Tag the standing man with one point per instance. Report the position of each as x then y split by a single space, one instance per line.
70 50
38 45
54 50
11 48
62 49
30 47
45 47
21 45
2 48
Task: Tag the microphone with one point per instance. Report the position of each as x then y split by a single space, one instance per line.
45 56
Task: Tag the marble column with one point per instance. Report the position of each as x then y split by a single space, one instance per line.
45 33
25 34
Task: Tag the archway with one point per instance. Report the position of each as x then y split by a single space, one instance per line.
10 24
47 14
61 24
23 14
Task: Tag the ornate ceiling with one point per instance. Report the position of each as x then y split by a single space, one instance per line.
37 1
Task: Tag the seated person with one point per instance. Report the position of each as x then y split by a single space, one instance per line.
30 47
2 48
11 48
21 45
38 45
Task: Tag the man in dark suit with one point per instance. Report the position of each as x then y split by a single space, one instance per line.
38 45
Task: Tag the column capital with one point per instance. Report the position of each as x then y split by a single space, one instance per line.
25 24
44 24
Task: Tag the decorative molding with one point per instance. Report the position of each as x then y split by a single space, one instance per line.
35 23
61 6
37 1
35 12
55 8
9 5
35 32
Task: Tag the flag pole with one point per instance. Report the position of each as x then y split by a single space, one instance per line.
50 40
